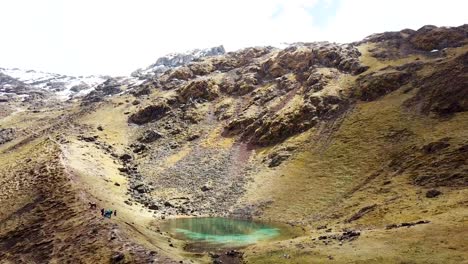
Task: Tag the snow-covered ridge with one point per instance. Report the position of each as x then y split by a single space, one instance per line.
22 83
174 60
63 86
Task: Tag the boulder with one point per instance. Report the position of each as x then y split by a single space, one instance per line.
435 146
88 138
173 145
140 188
153 206
206 188
168 204
6 134
117 257
192 137
433 193
275 159
125 157
139 148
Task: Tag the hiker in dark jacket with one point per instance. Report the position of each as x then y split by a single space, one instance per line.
108 213
102 211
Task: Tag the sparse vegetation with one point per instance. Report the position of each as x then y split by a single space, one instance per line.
362 147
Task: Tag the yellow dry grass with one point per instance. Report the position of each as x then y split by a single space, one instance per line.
215 140
311 186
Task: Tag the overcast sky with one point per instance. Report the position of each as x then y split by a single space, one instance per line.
118 36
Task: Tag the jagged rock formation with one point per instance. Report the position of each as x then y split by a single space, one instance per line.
175 60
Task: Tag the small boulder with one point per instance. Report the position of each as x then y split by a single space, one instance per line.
88 138
6 134
193 137
153 206
125 157
168 204
276 158
141 189
206 188
149 136
123 169
435 146
173 145
433 193
117 257
139 148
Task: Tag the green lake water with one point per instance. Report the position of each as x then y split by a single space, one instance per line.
207 232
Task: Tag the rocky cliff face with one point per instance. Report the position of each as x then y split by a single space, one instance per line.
338 139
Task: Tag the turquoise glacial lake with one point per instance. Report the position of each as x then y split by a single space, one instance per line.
209 232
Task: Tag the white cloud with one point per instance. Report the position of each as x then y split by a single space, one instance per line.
118 36
356 19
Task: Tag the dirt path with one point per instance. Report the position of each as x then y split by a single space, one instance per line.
56 222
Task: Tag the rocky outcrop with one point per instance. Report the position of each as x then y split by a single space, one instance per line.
315 109
181 73
198 89
109 87
174 60
239 85
374 85
430 38
240 124
426 39
179 59
149 114
300 57
6 134
363 211
277 157
202 67
438 163
444 92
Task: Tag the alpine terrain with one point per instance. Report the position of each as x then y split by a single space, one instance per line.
359 150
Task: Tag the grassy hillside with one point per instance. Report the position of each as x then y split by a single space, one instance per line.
360 147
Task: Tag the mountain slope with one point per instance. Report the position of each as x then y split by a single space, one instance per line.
363 146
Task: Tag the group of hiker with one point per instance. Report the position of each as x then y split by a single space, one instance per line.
107 213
